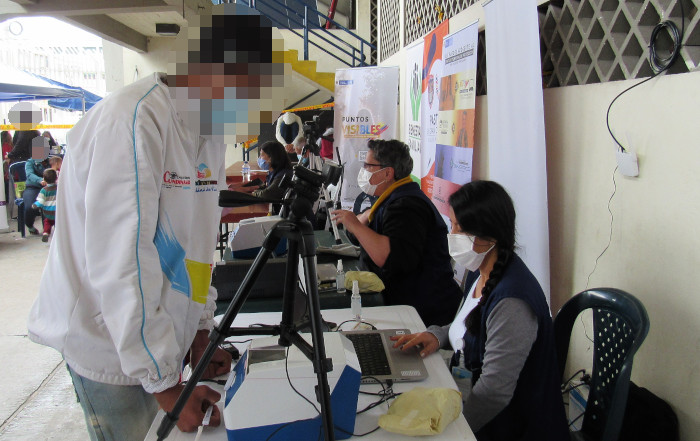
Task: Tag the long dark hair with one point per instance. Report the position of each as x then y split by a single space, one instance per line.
484 209
279 160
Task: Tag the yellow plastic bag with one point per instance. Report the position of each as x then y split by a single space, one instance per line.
422 411
367 280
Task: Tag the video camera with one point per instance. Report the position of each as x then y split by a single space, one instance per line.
312 131
305 187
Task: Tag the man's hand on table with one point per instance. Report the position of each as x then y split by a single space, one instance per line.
193 413
220 363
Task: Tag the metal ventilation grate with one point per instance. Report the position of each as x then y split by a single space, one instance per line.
390 29
423 16
581 41
594 41
373 21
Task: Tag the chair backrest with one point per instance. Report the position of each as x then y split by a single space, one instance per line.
620 325
17 178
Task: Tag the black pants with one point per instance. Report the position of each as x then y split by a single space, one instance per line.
29 197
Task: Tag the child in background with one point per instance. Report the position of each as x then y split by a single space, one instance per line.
46 201
55 163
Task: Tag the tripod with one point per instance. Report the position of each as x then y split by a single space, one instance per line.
301 244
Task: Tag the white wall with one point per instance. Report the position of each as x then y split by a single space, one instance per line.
654 251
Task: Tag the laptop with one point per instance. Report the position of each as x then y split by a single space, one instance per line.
379 359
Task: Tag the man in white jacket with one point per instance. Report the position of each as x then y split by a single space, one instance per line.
126 296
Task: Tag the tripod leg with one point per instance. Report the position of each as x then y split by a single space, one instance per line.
290 283
322 365
218 334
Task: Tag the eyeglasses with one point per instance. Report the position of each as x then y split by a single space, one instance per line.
366 165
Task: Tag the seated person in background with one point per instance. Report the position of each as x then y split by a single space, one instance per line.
46 202
273 153
34 170
403 236
503 329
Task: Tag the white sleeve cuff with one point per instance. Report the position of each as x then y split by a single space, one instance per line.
153 385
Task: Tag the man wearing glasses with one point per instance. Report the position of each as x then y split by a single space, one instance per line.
403 237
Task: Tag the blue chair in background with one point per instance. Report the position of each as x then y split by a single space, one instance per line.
620 325
17 182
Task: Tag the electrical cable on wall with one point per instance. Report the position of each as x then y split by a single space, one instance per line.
658 65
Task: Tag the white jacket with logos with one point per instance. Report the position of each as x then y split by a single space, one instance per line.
127 282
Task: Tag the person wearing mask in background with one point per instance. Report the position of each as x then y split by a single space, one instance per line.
280 169
34 169
126 294
52 142
503 331
403 236
22 141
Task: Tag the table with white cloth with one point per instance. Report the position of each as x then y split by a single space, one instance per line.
383 317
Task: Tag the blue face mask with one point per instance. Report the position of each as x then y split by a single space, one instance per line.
263 164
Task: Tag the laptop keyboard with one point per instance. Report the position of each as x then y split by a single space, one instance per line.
370 353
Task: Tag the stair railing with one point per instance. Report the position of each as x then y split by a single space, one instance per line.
314 34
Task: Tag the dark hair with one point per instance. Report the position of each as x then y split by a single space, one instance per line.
235 39
52 142
392 153
5 135
484 209
23 144
50 176
279 160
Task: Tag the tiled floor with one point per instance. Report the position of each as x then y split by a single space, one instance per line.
37 401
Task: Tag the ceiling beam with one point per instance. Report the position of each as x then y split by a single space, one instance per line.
110 29
91 7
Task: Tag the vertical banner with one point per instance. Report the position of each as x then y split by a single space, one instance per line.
516 124
432 72
455 132
413 91
365 108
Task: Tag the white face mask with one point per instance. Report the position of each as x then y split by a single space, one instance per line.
462 251
363 181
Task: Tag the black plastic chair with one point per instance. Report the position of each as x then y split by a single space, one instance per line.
620 325
17 176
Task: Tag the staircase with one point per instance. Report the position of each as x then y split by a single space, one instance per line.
301 27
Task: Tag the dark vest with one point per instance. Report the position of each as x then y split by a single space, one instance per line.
431 288
536 411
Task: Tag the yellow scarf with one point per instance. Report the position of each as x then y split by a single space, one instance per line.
386 194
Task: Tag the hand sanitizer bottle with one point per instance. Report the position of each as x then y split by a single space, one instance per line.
245 171
356 302
340 277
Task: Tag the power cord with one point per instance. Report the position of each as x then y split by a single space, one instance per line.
387 394
337 328
658 64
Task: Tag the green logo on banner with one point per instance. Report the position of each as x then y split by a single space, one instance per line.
416 86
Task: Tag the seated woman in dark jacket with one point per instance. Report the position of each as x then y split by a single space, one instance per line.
274 154
503 328
403 237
